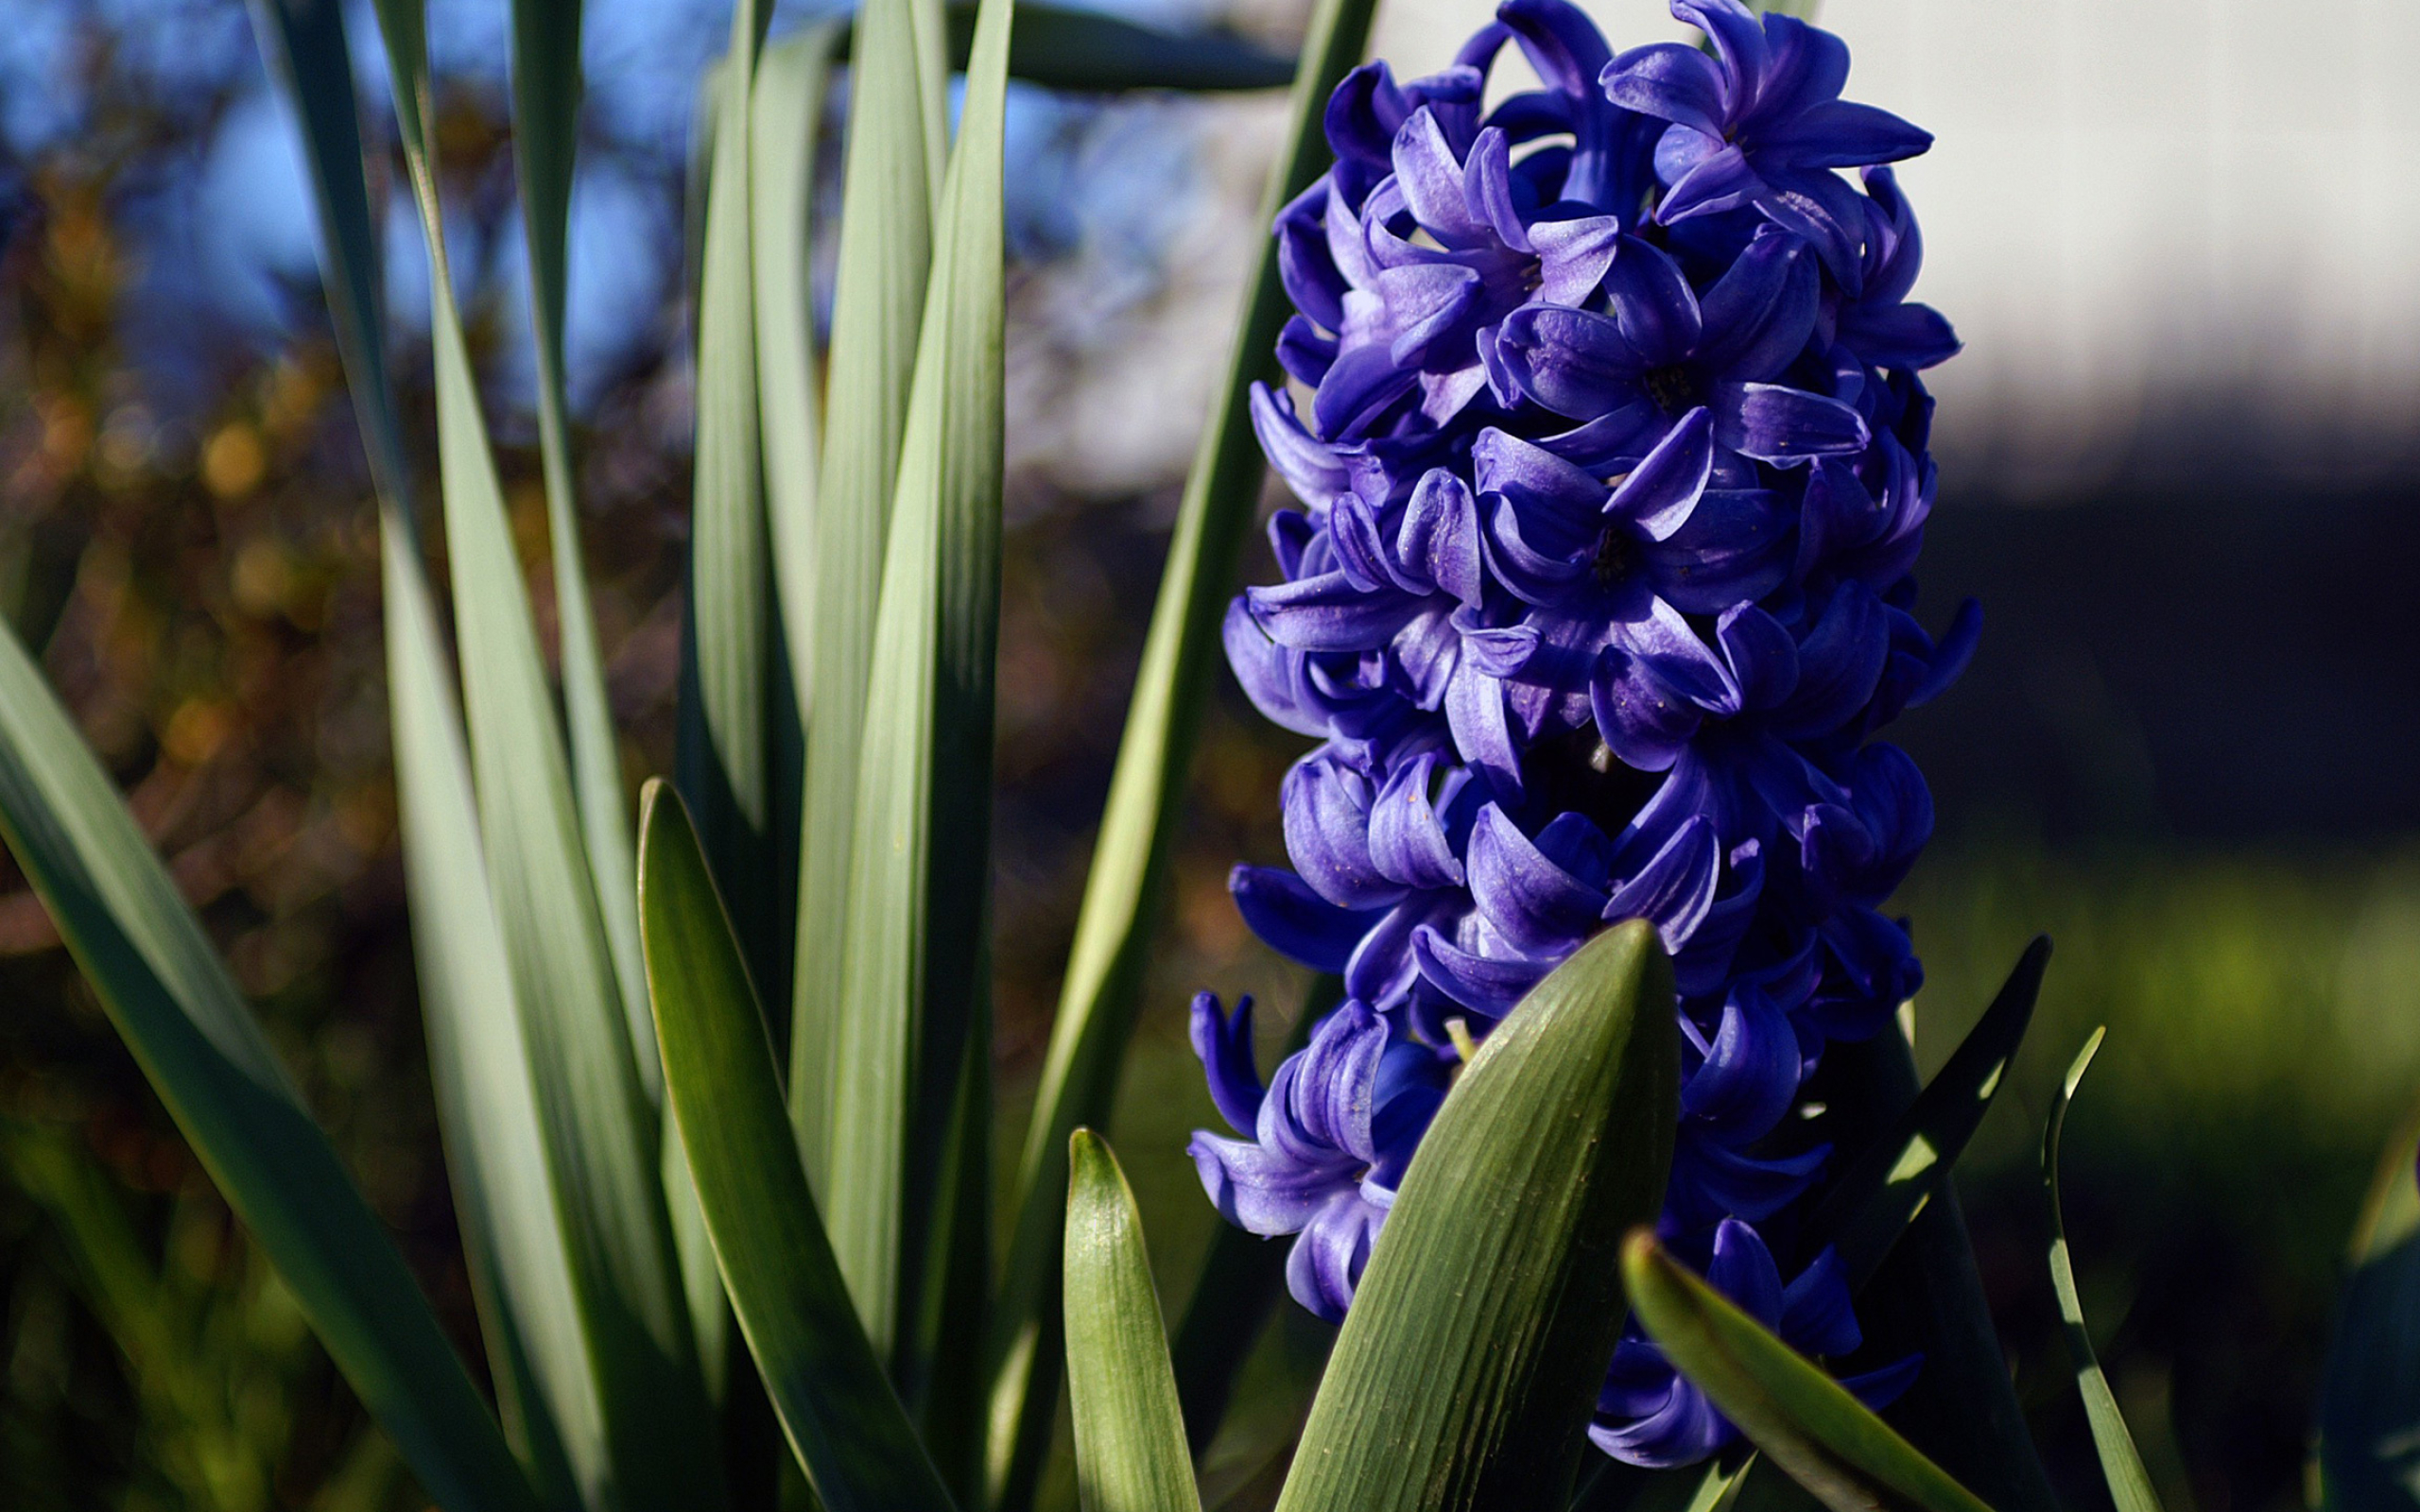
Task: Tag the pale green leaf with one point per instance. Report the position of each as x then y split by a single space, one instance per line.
1443 1394
154 970
835 1404
1104 980
915 967
2121 1465
1799 1417
477 1063
889 189
1129 1438
599 1132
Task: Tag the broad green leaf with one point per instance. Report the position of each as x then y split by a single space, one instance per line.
1865 1211
2121 1465
1798 1417
2369 1404
546 90
1130 1437
1443 1394
1242 1276
478 1064
837 1407
600 1134
1070 48
916 964
785 115
732 701
1104 980
890 191
153 968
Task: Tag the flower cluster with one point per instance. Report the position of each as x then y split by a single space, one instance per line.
1612 471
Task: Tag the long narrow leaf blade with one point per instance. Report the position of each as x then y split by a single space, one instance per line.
1870 1205
154 970
785 115
1800 1418
546 90
915 968
726 756
1464 1375
2369 1405
601 1134
837 1406
886 233
1130 1439
478 1064
2121 1465
1104 980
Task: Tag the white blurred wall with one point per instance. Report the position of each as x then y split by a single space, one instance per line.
2181 238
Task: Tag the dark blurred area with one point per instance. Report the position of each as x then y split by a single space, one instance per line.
2187 750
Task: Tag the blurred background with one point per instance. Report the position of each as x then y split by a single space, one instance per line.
2180 237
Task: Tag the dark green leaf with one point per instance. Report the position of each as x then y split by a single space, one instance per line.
1130 1437
1103 984
1797 1415
153 970
2130 1484
2369 1405
843 1421
1441 1394
1864 1212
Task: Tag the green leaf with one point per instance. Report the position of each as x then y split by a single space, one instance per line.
1130 1437
1798 1417
1069 48
730 688
1441 1394
547 90
601 1136
478 1065
785 116
1242 1276
916 966
172 1002
2121 1465
1104 980
1865 1211
837 1406
2369 1404
891 187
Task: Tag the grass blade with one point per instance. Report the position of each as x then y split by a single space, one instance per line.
2369 1405
1104 980
889 196
837 1406
478 1062
915 969
2121 1465
1796 1416
601 1136
1130 1437
1556 1140
1066 47
1871 1204
153 970
546 90
730 693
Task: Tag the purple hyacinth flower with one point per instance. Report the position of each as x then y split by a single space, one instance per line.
1651 1415
1762 124
1325 1145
